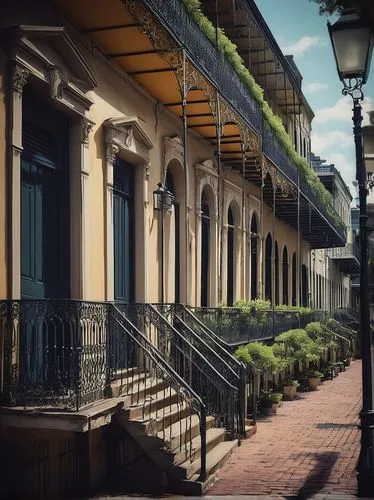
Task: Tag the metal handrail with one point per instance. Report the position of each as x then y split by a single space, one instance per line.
193 360
165 371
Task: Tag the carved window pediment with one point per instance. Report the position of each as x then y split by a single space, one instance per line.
126 133
51 55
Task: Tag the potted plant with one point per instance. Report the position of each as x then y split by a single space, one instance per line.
269 402
289 389
314 379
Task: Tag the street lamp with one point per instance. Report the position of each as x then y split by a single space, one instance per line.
162 200
352 43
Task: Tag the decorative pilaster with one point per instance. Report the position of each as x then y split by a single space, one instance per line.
86 129
19 79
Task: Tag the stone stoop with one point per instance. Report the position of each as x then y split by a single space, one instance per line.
169 434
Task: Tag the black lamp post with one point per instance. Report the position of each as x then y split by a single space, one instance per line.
352 43
162 200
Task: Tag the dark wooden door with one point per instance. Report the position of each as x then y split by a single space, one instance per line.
123 225
45 254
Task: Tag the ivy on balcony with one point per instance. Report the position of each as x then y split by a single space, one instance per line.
229 50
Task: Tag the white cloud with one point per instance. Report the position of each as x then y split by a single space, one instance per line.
342 111
305 43
312 88
321 142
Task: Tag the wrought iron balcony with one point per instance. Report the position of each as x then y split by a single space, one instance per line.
348 257
326 216
174 15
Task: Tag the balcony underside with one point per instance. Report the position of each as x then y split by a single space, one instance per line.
349 264
148 47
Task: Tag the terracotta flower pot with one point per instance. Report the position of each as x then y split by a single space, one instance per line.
289 392
313 383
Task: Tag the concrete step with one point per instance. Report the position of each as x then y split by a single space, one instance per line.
126 384
180 433
139 388
124 373
192 451
164 418
151 403
215 458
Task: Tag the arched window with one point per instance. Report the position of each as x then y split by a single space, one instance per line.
268 267
285 276
304 286
294 279
230 257
169 184
276 278
253 263
205 249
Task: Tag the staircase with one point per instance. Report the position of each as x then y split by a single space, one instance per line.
181 433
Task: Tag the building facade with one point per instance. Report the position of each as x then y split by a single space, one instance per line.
99 104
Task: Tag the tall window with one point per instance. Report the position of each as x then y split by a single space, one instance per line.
285 276
268 267
175 231
294 279
254 257
205 249
230 258
276 270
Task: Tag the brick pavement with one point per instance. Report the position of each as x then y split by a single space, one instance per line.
309 447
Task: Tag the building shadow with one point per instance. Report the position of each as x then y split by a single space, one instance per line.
319 475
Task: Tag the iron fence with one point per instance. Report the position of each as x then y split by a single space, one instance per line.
235 326
54 352
194 360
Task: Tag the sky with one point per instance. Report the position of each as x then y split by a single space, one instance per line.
301 31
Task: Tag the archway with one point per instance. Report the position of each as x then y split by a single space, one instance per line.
276 270
304 286
294 279
175 236
268 267
285 276
205 250
230 257
253 257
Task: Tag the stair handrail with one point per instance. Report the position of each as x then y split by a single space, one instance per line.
219 395
173 378
219 362
212 339
219 344
341 337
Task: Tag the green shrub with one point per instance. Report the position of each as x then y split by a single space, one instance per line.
314 330
273 397
296 345
260 355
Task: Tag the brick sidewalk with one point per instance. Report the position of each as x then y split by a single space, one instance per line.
310 447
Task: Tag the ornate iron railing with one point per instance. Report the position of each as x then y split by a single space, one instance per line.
235 326
245 374
204 54
183 401
273 149
350 251
54 351
194 361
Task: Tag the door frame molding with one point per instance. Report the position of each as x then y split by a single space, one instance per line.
124 137
67 89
